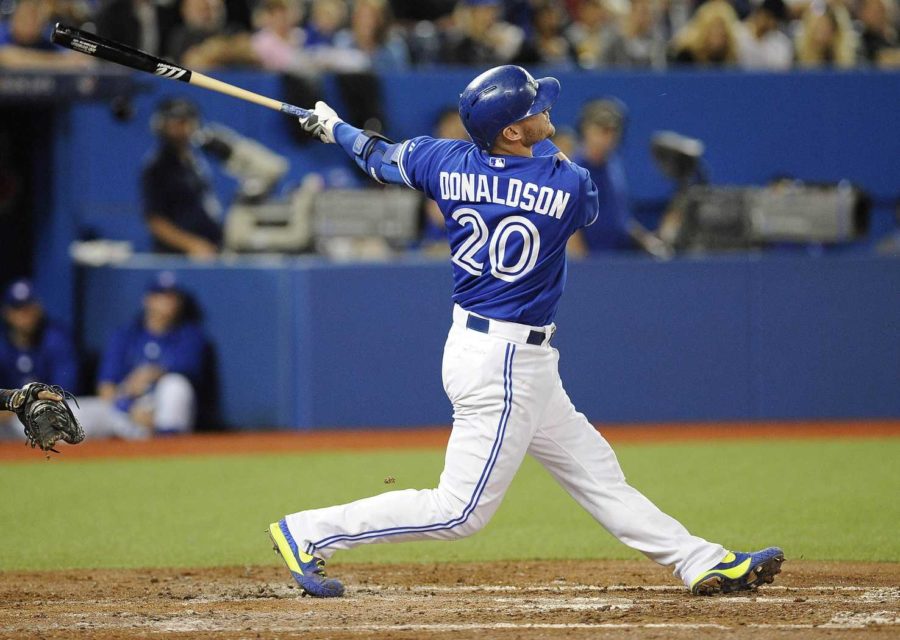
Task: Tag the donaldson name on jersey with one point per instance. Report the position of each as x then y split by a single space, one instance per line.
508 221
511 192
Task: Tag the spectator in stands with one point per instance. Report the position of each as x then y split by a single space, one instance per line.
761 44
601 124
595 33
206 39
480 37
548 43
643 42
279 40
25 40
280 44
142 24
371 32
709 38
180 208
78 13
674 15
151 370
32 348
326 18
826 37
878 37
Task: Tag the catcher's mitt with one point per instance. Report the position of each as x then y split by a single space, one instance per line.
46 421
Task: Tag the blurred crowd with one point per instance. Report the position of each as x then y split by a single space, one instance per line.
306 37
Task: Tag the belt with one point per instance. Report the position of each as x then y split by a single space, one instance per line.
483 325
507 330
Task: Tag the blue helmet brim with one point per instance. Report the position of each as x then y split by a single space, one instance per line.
547 93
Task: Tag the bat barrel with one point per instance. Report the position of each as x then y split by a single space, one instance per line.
111 51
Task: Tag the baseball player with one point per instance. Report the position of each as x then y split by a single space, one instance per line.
150 370
510 202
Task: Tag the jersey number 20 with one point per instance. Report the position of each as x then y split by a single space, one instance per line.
464 256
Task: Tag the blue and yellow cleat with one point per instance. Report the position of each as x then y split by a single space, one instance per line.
308 571
740 572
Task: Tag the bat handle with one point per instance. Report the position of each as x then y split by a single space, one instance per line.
294 111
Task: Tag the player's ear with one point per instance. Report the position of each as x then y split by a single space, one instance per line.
512 133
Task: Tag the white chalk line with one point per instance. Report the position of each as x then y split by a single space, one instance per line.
582 588
477 626
841 620
581 603
857 620
568 604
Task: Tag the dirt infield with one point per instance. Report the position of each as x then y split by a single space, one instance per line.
433 437
503 600
636 600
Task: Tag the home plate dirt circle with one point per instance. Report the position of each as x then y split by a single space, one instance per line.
528 600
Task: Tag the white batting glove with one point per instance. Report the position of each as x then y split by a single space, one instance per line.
321 122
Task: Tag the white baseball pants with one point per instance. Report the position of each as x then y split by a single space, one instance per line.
172 401
508 400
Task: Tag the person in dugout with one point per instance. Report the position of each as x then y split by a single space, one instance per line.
182 212
151 370
33 347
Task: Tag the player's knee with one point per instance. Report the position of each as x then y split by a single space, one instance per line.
174 387
463 517
175 404
473 523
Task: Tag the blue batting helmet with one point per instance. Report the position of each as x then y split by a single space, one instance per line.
501 96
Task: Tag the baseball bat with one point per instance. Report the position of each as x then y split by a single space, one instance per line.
111 51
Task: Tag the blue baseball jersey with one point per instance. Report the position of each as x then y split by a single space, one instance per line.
53 359
508 221
180 350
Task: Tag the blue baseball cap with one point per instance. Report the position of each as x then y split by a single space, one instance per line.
164 282
20 293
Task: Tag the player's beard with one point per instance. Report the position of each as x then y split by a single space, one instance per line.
541 130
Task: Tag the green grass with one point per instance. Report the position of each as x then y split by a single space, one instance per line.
827 500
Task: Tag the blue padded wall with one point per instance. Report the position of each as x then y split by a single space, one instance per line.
306 344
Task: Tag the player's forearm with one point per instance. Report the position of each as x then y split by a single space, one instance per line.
374 160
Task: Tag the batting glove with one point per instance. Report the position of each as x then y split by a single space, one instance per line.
321 122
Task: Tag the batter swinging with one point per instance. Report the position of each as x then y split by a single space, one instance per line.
511 202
